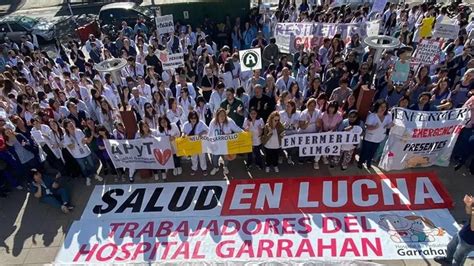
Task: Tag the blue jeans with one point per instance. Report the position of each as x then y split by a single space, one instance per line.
458 251
59 197
87 166
215 160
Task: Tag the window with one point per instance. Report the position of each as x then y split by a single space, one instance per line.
16 27
27 22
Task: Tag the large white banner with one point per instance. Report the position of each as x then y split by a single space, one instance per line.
327 143
149 153
400 216
421 139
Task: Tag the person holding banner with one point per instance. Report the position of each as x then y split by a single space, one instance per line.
290 118
377 123
144 131
196 127
308 122
76 143
328 122
221 125
254 124
167 128
351 124
273 133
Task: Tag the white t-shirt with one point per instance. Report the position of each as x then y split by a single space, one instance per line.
79 150
200 128
377 135
273 142
306 116
290 122
255 128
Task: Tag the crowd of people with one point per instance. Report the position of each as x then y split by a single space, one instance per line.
57 112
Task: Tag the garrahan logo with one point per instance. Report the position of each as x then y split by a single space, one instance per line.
411 228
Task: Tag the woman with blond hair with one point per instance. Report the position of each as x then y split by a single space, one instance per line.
273 133
221 125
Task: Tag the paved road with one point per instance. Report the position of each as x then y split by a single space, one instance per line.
31 233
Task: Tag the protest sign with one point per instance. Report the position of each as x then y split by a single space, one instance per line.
400 216
426 27
250 59
427 52
264 8
373 28
446 30
400 72
328 143
421 139
312 34
149 153
171 61
164 24
378 6
285 43
236 143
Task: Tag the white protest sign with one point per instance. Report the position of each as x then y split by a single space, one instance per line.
422 139
373 28
427 52
446 30
284 43
250 59
327 143
378 6
149 153
264 8
164 24
171 61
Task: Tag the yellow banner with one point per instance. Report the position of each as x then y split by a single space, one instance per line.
242 144
426 27
223 145
187 146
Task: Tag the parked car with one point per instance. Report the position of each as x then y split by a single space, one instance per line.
113 14
13 27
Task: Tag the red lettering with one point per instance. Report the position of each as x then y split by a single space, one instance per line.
196 249
167 249
305 247
100 253
164 229
182 250
246 248
129 229
142 248
288 225
211 227
306 223
376 249
364 224
154 250
147 229
247 229
114 228
265 245
230 251
331 247
349 246
350 223
230 223
284 245
336 223
125 252
182 228
271 225
198 228
82 251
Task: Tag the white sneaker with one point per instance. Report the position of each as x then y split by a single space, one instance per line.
290 161
156 177
267 169
276 169
180 170
19 187
163 175
316 166
175 171
226 170
325 160
214 171
98 178
280 160
88 181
